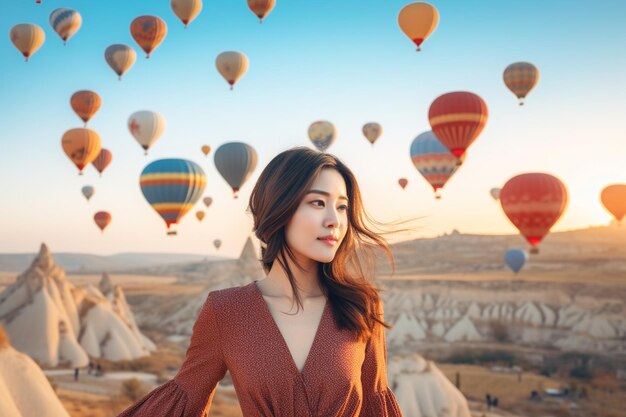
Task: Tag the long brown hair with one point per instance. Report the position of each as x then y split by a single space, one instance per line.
275 198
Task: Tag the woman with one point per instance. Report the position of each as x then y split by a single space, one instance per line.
326 358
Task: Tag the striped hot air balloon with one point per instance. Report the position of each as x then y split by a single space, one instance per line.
85 104
172 187
235 161
120 58
533 202
520 78
433 160
148 32
82 146
27 38
65 23
457 119
103 160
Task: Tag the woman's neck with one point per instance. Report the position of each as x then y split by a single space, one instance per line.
276 284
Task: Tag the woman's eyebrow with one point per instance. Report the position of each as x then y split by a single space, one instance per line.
327 194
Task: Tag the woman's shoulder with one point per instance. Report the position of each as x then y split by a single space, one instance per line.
233 299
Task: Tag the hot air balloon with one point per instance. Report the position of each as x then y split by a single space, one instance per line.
65 23
186 10
533 203
457 119
27 38
103 160
418 21
172 187
82 146
148 32
403 182
146 126
613 198
102 219
120 58
217 243
433 160
232 66
37 1
322 134
372 131
515 259
207 201
235 161
88 191
261 8
495 193
206 149
200 215
520 78
85 104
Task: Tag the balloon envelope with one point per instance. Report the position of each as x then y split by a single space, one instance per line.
217 243
433 160
232 66
403 182
88 191
207 201
200 215
457 119
418 21
103 160
27 38
613 198
148 32
520 78
235 161
81 145
515 259
206 149
85 104
495 193
261 8
172 187
372 131
146 126
65 22
533 202
186 10
120 58
322 133
102 219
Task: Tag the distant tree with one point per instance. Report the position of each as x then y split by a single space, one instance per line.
132 389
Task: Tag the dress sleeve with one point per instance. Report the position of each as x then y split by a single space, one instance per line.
378 399
191 391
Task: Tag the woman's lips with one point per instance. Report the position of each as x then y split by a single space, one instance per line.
329 241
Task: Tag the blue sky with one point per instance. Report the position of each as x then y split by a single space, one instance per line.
344 61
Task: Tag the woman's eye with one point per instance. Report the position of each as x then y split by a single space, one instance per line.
344 207
318 203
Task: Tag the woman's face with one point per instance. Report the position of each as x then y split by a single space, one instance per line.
319 225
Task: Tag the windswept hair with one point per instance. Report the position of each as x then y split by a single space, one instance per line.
275 198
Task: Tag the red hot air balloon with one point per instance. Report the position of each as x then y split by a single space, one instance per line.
533 203
403 182
103 160
102 219
457 119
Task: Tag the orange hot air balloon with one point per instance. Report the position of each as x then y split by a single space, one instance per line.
103 160
613 198
457 119
403 182
418 21
27 38
82 146
520 78
148 32
206 149
102 219
261 8
200 215
85 104
533 203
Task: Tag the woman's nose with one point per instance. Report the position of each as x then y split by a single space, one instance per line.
332 218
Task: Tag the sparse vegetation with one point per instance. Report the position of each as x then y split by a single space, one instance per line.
132 389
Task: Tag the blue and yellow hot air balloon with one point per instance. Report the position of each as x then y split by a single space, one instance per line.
172 187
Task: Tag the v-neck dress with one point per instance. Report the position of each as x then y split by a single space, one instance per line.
235 331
